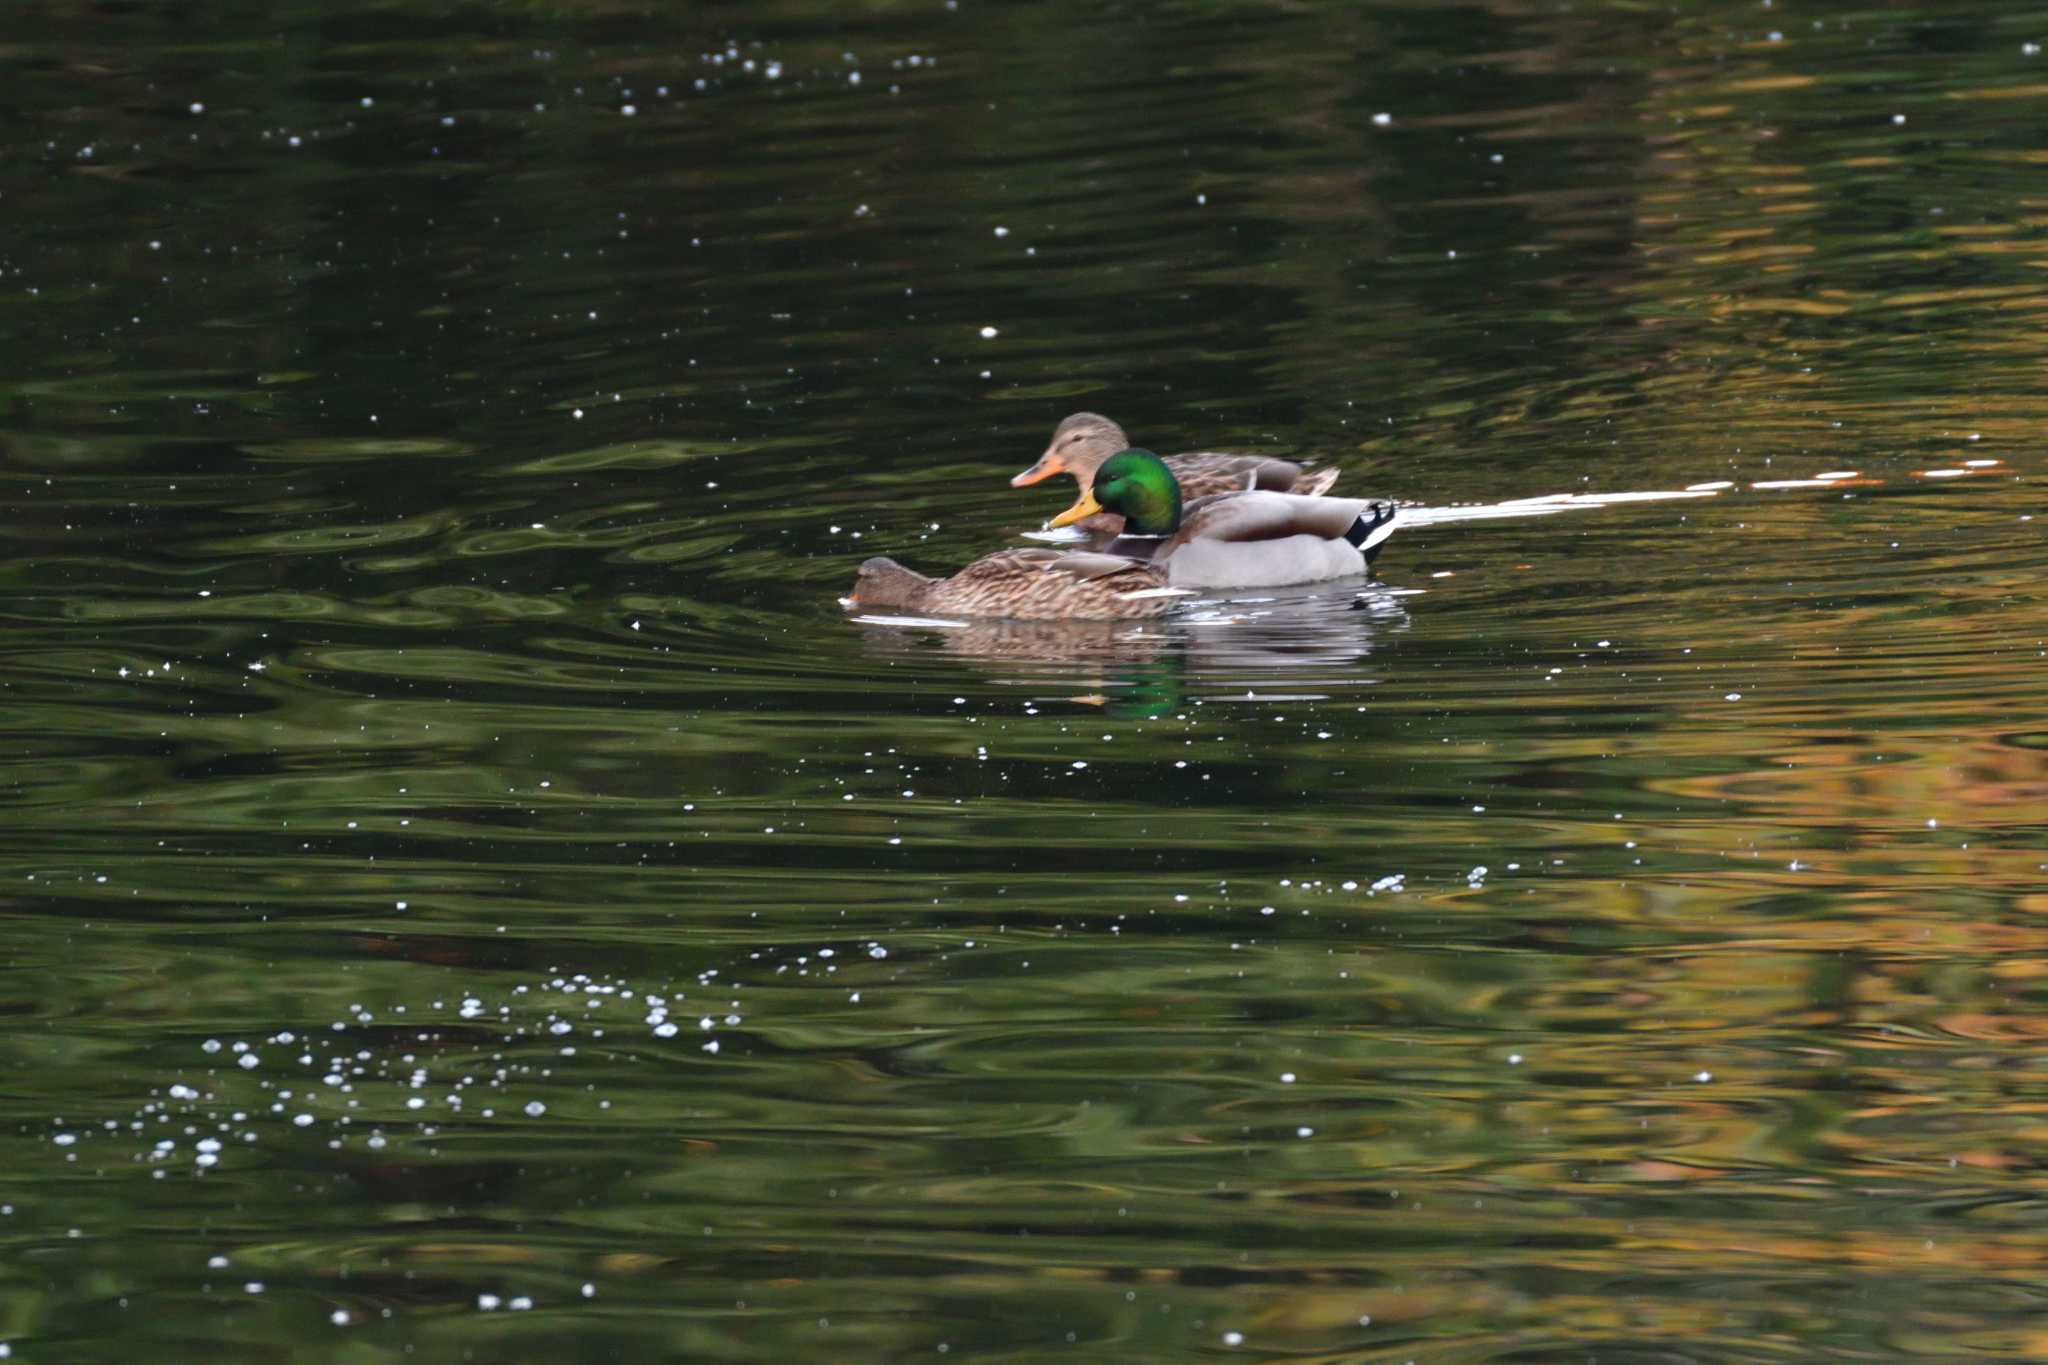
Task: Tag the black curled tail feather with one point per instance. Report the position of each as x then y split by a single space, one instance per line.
1371 529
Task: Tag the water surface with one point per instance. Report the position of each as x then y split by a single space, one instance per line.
476 895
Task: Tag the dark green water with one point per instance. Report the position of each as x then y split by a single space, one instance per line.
473 894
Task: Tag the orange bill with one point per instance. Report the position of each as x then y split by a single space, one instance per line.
1048 465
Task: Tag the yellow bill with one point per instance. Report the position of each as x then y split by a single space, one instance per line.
1086 507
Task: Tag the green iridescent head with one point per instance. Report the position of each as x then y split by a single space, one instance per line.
1137 485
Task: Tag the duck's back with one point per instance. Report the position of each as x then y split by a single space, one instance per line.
1037 584
1203 473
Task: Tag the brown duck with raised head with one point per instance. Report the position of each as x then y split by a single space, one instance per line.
1083 442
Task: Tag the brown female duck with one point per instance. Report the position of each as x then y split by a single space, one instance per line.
1082 442
1034 584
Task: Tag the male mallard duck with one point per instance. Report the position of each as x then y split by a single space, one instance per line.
1085 440
1027 585
1248 539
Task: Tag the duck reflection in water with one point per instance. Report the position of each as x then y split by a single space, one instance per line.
1213 646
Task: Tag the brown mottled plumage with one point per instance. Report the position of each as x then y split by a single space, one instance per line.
1083 441
1027 585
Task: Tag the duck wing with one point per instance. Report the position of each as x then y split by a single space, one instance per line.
1258 515
1035 559
1313 483
1206 472
1034 583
